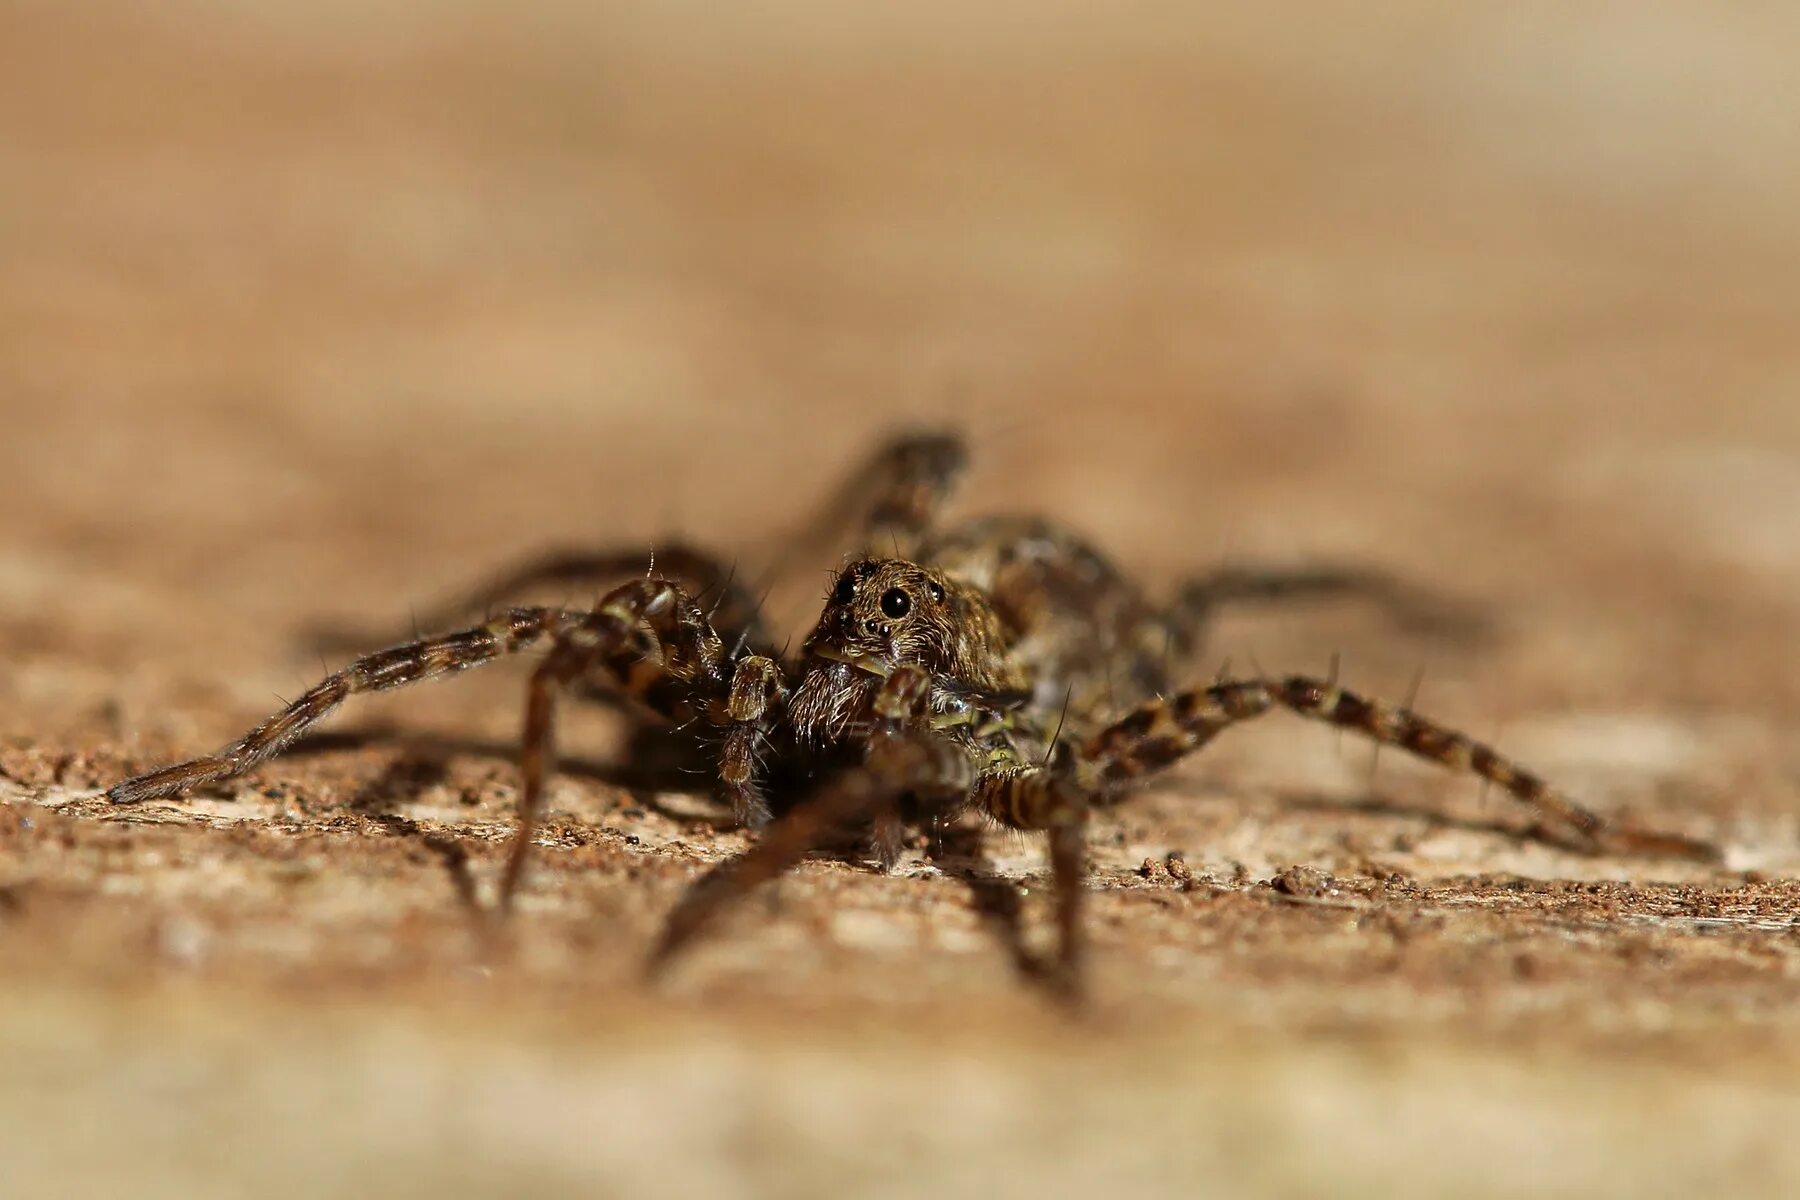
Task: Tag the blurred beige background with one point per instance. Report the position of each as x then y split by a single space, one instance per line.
311 313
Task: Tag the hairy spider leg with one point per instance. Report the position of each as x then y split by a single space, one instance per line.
913 479
648 639
887 505
1165 730
514 631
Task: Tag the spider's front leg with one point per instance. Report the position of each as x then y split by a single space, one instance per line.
901 756
652 641
757 690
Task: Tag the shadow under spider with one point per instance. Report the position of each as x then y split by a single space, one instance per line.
1377 805
655 765
957 851
410 774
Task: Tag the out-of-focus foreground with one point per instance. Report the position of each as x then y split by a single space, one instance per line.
312 313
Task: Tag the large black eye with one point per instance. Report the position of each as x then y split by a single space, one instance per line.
895 602
845 590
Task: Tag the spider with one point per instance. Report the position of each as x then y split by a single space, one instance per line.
1000 666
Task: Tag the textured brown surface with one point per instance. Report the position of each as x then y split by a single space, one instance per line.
310 314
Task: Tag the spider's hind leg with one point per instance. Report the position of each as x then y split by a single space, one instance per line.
890 503
911 480
731 606
1408 606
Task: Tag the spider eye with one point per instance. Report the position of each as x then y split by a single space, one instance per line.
845 590
895 602
937 592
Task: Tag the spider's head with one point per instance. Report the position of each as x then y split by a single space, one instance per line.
883 612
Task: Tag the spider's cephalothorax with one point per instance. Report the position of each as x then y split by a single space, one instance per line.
1000 666
884 614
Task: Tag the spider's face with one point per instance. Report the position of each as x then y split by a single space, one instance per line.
882 613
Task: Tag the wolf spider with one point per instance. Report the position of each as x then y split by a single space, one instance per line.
1000 666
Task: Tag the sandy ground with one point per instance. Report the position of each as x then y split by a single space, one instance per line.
312 315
